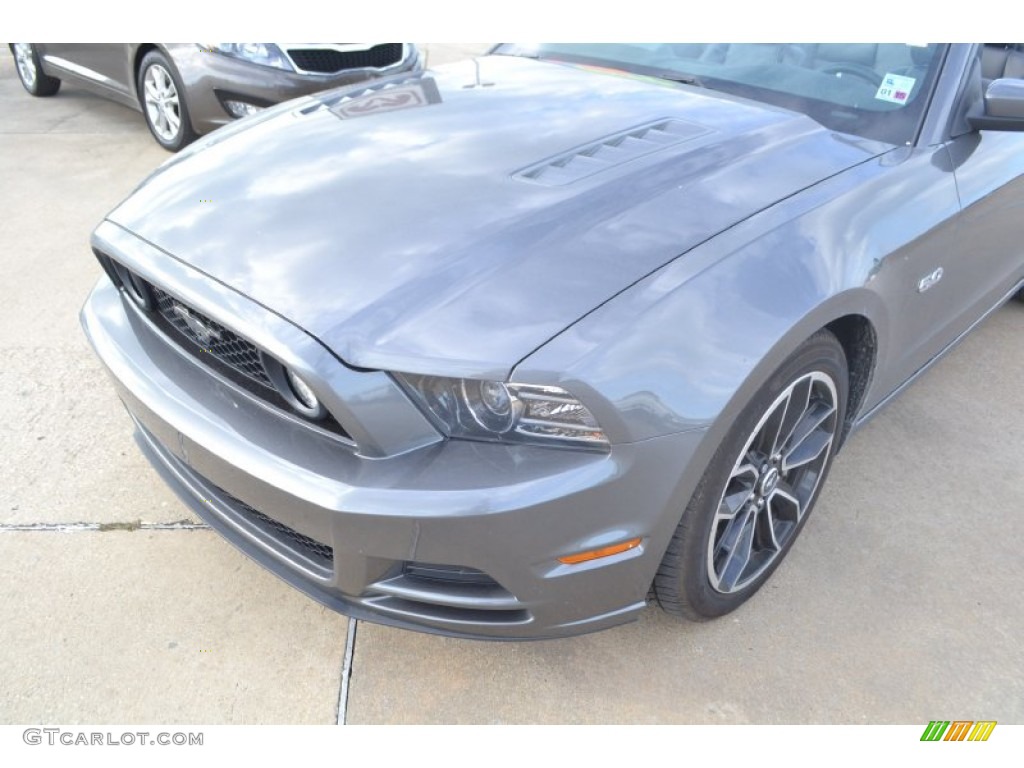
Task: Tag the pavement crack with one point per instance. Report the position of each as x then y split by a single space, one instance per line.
346 671
133 525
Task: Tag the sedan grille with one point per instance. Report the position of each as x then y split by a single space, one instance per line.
329 61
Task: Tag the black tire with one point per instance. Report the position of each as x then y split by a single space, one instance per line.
704 574
164 104
30 71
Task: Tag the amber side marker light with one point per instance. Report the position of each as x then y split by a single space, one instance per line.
594 554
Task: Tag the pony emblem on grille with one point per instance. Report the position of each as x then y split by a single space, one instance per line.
204 334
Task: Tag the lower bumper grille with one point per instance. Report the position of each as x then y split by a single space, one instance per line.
316 552
429 573
451 615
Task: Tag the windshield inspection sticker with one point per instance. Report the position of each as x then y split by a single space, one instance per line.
895 88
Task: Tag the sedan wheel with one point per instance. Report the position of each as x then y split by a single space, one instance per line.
163 103
760 487
36 82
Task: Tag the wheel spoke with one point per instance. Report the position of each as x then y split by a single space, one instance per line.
766 438
785 505
781 515
738 492
173 120
733 503
807 450
795 409
766 528
737 545
745 467
812 417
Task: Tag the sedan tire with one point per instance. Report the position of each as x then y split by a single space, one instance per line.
162 98
26 61
760 487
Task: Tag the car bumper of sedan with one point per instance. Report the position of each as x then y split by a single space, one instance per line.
212 80
456 537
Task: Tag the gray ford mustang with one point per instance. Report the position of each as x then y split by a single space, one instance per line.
507 349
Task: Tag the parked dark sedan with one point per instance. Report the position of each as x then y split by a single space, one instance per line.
188 89
504 349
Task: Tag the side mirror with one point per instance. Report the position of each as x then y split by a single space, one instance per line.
1003 107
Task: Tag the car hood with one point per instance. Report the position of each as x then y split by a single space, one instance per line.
453 222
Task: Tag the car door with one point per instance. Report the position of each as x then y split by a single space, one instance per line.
990 180
101 65
950 278
989 170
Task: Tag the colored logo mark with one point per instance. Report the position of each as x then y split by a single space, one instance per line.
958 730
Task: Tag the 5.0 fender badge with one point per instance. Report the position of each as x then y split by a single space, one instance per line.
928 281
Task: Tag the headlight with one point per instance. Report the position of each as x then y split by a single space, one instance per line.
267 54
508 413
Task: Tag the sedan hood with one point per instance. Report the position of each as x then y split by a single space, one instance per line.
453 222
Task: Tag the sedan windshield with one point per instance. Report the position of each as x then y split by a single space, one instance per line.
879 91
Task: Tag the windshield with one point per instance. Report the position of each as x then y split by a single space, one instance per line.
876 90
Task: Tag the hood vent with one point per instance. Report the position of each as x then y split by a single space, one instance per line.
609 152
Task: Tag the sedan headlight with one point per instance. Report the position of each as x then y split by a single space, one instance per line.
267 54
510 413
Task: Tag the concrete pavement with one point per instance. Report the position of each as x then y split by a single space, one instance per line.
901 603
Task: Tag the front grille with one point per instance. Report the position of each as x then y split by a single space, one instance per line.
317 552
208 337
328 61
212 344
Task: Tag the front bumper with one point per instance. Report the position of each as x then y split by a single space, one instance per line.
343 528
209 78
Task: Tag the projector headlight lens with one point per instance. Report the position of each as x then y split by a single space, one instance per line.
476 409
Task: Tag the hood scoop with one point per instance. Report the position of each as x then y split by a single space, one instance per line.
611 151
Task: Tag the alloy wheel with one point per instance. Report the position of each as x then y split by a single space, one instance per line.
773 482
163 105
26 64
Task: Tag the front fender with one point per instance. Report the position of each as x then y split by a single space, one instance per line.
687 347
